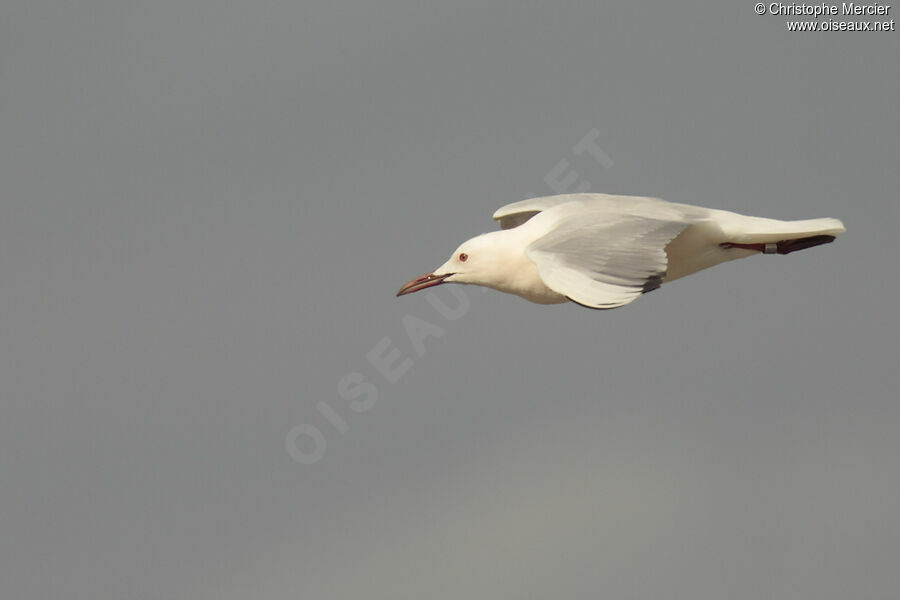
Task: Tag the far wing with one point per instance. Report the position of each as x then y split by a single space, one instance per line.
603 259
513 215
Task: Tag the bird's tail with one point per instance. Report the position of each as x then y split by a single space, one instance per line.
781 237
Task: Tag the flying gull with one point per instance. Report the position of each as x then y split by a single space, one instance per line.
603 251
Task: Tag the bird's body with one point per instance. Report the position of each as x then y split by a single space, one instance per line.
603 251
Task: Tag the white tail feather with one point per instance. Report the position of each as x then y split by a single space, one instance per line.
754 230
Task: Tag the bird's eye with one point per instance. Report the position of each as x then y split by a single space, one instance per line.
463 257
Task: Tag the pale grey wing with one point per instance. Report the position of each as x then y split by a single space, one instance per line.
513 215
604 260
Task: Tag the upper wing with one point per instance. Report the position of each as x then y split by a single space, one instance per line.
602 258
513 215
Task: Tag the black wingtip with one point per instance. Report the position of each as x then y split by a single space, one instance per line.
653 282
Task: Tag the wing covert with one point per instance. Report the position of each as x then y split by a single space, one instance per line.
604 260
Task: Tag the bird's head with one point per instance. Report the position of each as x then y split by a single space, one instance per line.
479 260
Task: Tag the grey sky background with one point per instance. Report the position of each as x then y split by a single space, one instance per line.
207 207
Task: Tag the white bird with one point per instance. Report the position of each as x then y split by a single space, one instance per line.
603 251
